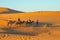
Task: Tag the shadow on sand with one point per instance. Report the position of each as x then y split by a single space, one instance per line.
11 31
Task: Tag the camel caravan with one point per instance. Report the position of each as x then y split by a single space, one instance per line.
27 23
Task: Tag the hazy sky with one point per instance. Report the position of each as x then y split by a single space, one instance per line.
31 5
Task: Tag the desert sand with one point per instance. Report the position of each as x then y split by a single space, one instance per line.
41 34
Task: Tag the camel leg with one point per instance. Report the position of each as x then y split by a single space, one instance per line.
8 24
17 25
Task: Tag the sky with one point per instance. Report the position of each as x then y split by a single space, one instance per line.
31 5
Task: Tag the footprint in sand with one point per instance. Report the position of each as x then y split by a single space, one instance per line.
3 36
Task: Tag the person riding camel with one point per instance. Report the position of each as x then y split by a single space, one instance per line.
37 22
29 20
19 19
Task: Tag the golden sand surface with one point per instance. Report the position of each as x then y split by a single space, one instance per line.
55 35
51 17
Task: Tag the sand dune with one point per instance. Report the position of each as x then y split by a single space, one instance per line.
8 11
42 16
47 16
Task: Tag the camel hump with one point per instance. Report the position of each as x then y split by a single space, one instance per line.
10 20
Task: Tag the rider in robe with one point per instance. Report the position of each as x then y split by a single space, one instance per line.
19 20
29 20
37 22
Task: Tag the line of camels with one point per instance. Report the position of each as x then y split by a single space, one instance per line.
29 22
19 22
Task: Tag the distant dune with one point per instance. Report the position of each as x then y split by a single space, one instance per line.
7 10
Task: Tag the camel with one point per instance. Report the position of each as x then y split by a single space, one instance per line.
11 22
29 22
19 22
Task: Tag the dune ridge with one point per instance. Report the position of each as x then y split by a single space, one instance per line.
8 11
